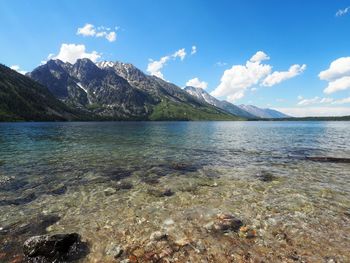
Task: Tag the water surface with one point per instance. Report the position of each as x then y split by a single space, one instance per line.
106 181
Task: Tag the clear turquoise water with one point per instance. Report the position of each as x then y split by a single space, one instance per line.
65 169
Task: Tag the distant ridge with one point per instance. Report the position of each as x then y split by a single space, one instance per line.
263 113
204 96
245 111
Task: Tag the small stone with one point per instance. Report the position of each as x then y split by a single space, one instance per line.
109 191
209 226
166 252
330 260
114 250
182 242
158 236
151 256
294 256
247 232
169 222
139 252
132 259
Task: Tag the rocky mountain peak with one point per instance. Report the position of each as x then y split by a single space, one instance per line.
85 70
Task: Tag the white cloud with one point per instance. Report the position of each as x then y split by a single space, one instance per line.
342 101
338 68
337 75
18 69
279 76
315 100
71 52
315 111
342 12
195 82
236 80
101 31
111 36
319 100
220 64
259 56
87 30
154 67
181 53
338 85
193 50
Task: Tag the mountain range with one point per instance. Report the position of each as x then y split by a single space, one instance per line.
246 111
105 90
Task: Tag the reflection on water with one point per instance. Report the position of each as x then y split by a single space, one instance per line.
119 183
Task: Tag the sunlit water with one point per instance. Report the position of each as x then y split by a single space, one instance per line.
105 181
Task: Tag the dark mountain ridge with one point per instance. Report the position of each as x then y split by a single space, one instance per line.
22 99
120 91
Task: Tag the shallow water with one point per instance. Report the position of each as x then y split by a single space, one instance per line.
107 180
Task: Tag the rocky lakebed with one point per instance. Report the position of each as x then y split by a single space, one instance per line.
113 199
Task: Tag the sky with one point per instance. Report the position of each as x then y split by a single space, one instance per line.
289 55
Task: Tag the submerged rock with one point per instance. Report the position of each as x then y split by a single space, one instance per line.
160 192
19 201
59 190
225 223
13 236
150 180
266 176
9 183
118 174
183 167
54 248
122 185
36 226
328 159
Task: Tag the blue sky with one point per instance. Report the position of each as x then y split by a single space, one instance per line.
307 34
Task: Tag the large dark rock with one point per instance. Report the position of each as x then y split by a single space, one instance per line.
54 248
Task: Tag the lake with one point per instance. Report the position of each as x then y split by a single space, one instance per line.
119 184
